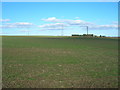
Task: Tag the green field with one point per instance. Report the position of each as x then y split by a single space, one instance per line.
59 62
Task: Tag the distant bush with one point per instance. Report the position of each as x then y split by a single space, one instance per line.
75 35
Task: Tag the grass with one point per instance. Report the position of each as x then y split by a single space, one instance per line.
59 62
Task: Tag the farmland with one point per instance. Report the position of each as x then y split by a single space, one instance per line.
59 62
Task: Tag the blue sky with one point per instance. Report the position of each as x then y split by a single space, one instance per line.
60 0
49 18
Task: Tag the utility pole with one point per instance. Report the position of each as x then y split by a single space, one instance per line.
62 31
28 32
86 28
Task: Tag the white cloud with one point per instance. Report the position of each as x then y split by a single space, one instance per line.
68 21
17 25
77 17
23 24
6 26
78 22
4 20
24 30
105 27
54 26
3 33
52 19
115 22
58 26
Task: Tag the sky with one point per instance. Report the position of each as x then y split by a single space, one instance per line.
59 0
59 18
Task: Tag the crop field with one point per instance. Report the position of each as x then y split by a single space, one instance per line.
59 62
